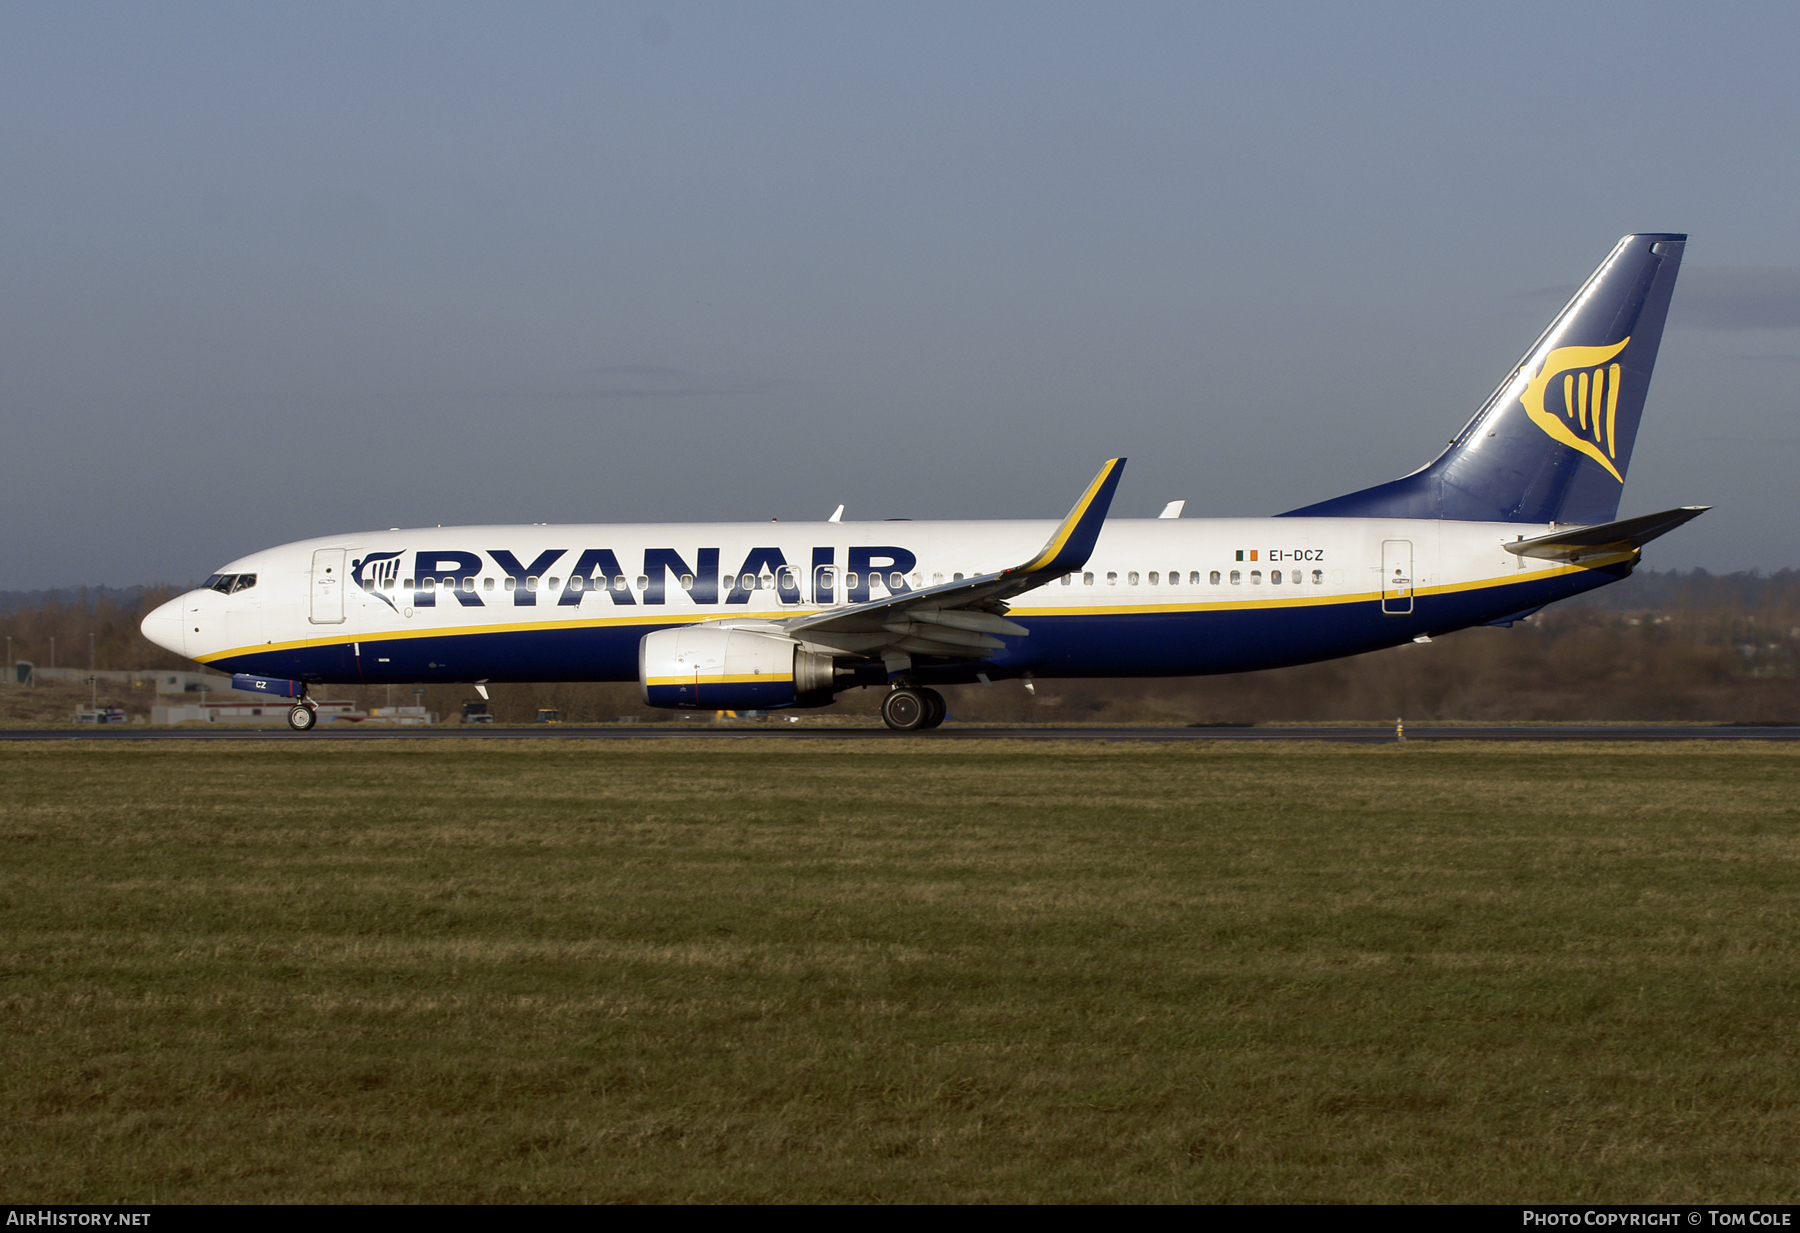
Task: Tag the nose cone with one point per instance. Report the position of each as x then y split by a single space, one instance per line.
163 627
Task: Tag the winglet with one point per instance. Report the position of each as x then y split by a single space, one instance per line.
1074 540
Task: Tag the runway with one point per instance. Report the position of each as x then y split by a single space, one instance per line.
1370 735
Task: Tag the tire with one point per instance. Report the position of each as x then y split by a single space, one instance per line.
935 708
301 717
905 710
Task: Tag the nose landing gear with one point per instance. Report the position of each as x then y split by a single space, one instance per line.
908 709
302 716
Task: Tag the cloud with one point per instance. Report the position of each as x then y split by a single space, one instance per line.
1737 297
637 370
1721 297
656 381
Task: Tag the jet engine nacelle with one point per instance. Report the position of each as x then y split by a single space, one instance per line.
730 670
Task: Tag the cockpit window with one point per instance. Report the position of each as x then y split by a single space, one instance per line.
229 584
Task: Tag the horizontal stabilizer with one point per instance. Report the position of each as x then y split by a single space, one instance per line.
1609 538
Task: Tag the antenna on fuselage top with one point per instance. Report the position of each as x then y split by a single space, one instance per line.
837 515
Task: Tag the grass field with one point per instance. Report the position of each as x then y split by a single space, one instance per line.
912 971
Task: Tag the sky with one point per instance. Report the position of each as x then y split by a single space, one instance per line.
279 271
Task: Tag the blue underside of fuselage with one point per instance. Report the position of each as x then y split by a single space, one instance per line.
1181 643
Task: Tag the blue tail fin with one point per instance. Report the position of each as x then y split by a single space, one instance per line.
1553 442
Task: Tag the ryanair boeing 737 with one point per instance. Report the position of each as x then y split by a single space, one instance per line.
1520 511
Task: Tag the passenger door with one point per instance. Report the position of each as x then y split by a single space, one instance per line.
328 587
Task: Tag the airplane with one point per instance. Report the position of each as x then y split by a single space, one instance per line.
1518 512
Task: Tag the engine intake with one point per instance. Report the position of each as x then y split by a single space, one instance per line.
706 666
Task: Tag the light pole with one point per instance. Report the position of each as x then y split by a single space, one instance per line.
53 653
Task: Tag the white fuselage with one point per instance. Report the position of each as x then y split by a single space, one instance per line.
1156 597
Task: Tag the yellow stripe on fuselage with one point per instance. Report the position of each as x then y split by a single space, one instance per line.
462 631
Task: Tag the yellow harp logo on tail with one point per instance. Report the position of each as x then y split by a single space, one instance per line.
1590 401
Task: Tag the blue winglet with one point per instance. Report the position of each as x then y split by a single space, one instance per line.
1074 540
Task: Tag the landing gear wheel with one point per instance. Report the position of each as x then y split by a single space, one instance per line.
935 708
905 710
302 717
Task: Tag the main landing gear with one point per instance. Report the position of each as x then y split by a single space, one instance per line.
302 716
912 710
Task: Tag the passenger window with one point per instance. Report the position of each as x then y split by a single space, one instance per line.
643 583
918 580
1318 577
1087 579
509 584
1068 579
937 580
431 584
1194 578
409 584
687 582
487 584
554 583
1112 578
1131 579
619 583
768 580
1236 577
1215 577
956 577
1153 577
1256 577
531 583
896 581
787 580
1275 578
850 581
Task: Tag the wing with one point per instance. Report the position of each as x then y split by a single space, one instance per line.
960 620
